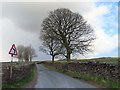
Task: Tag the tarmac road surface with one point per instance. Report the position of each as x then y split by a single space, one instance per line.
51 79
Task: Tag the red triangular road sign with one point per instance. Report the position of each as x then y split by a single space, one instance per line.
13 50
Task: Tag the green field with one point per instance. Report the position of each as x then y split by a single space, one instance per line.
108 60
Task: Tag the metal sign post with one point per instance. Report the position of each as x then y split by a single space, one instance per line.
11 66
13 51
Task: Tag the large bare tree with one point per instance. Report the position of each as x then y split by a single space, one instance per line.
71 30
50 45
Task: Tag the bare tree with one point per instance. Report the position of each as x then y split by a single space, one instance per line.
20 50
71 30
50 45
29 53
32 53
26 53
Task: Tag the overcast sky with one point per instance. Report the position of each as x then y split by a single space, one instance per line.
21 24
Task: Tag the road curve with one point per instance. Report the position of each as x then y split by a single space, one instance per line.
51 79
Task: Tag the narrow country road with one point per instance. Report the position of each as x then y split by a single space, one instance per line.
51 79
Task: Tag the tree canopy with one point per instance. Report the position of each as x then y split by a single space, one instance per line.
70 29
25 53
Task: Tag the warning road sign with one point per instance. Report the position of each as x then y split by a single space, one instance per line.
13 50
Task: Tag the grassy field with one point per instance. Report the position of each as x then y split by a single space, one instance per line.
108 60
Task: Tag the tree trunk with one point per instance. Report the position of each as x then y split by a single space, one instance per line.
30 59
53 58
68 57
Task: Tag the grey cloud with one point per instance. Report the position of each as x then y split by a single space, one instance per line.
29 15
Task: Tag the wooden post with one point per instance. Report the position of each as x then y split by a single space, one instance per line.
11 66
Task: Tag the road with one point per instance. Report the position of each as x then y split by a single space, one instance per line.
51 79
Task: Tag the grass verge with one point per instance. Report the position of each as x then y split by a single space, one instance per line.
96 80
21 83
